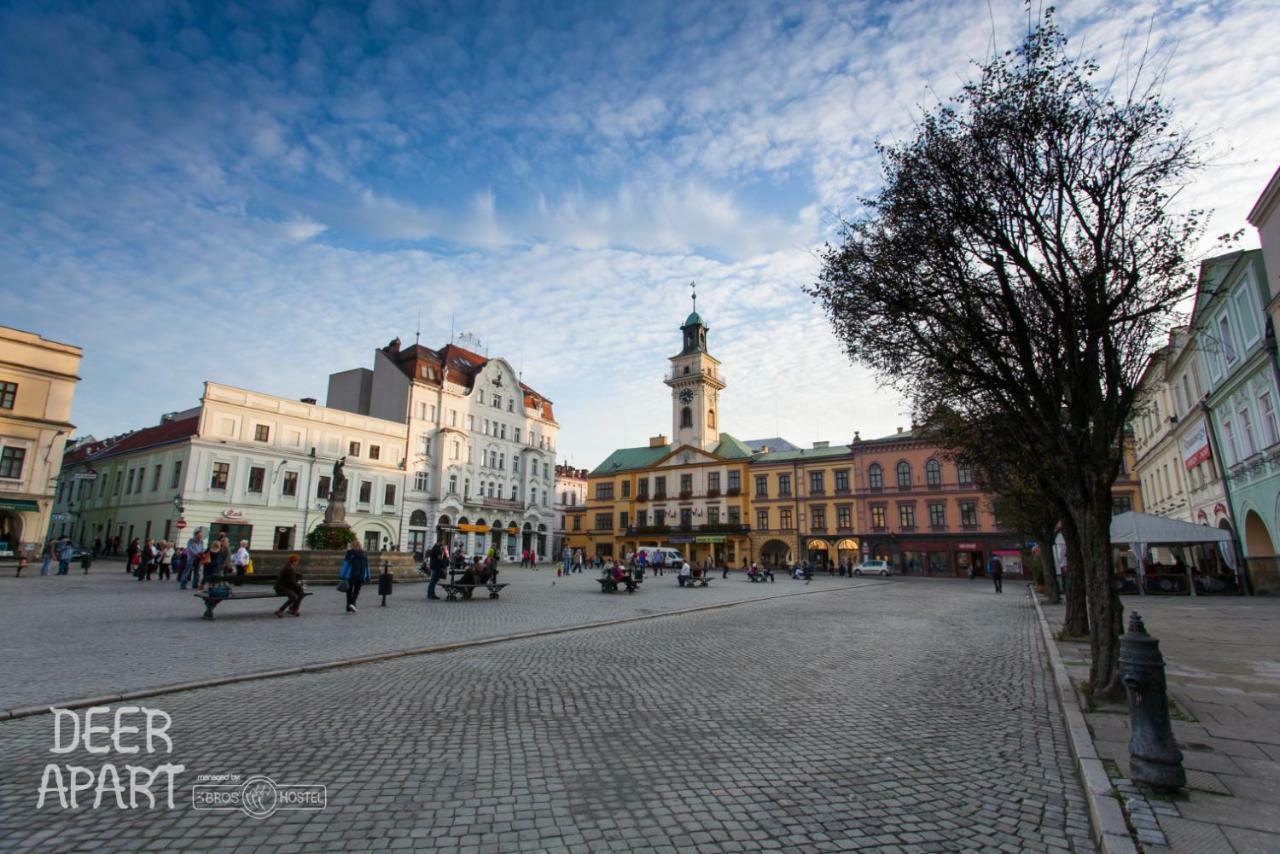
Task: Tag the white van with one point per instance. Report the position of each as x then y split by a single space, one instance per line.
670 556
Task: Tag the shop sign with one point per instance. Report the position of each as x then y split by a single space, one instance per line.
232 513
967 547
85 475
708 539
513 530
60 517
1195 446
680 538
473 529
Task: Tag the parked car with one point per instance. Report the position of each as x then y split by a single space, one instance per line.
872 567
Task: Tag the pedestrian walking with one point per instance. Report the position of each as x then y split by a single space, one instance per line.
65 554
437 563
22 562
197 553
355 571
996 570
165 560
240 560
147 560
289 585
48 557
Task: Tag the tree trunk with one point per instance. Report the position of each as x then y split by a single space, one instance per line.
1076 622
1045 539
1106 614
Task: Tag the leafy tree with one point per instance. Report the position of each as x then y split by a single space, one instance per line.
1019 262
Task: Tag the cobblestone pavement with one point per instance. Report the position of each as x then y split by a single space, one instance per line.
73 636
900 717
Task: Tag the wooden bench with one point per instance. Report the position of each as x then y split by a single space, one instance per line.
211 602
453 591
608 585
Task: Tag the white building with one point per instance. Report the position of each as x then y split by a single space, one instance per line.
570 492
1206 497
480 445
254 465
1158 455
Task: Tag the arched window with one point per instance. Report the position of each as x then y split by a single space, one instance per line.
513 492
418 519
686 417
711 419
933 473
533 495
904 475
875 476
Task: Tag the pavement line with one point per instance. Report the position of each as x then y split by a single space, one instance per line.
1109 828
214 681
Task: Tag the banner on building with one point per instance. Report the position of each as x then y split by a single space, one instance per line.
1195 445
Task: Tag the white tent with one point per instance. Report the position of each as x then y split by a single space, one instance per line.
1142 530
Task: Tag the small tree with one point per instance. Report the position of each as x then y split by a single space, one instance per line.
1019 262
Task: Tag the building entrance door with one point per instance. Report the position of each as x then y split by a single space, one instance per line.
418 543
284 539
371 541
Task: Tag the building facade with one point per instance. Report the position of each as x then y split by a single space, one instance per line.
251 465
1158 453
1197 455
570 493
480 446
37 383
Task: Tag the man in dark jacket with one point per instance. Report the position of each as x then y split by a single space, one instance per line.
996 570
437 563
288 584
357 573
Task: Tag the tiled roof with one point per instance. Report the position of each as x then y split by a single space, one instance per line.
730 448
629 459
777 443
802 454
148 437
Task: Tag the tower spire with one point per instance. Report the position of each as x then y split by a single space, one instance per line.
693 286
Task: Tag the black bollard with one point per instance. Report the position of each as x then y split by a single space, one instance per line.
1154 757
384 583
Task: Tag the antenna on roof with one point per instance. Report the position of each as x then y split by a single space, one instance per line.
417 334
452 315
693 286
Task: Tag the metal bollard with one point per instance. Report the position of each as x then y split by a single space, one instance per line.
1154 757
385 580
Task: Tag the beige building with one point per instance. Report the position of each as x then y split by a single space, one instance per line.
37 382
1159 465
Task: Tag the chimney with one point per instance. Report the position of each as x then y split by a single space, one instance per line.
657 441
764 449
393 348
820 445
857 437
309 400
899 429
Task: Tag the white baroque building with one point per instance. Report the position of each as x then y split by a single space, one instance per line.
480 446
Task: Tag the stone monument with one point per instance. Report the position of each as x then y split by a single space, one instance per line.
335 515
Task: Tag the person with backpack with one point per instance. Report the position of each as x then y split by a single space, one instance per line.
355 572
996 570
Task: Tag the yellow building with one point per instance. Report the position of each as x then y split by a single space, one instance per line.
687 493
37 381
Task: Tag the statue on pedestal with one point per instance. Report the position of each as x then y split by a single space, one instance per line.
335 514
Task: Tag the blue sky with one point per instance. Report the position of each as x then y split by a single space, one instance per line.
263 193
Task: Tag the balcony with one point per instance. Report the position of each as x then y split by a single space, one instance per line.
734 490
713 492
686 493
659 496
643 496
501 503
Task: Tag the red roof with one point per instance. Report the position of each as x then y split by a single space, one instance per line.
162 434
460 366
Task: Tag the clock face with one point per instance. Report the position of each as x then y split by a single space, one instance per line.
686 395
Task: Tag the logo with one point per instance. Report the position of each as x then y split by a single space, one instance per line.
257 797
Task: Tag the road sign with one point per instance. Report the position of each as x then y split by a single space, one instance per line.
182 523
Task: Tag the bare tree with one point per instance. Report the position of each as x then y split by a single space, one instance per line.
1019 262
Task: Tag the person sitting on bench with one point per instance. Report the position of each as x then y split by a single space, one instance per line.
287 584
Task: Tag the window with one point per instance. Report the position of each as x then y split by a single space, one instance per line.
642 518
762 520
604 522
453 455
784 485
119 476
1224 332
735 515
322 488
904 475
818 518
604 491
256 476
497 401
711 419
659 518
389 495
577 522
735 482
660 487
1246 432
969 514
514 491
366 491
817 485
842 480
1121 504
686 417
102 483
471 422
642 488
453 418
481 398
11 460
622 519
502 431
875 477
221 472
177 475
878 517
453 484
1270 430
421 481
964 474
1229 431
933 474
844 517
713 482
155 478
686 485
261 433
517 434
762 486
128 487
8 393
626 489
937 516
353 449
375 452
785 520
424 445
511 404
906 516
290 485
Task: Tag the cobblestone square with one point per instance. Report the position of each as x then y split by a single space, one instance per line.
903 716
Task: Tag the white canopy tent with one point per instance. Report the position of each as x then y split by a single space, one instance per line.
1142 530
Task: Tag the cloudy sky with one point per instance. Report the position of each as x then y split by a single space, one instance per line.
262 193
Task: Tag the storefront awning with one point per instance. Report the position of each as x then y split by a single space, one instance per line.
18 504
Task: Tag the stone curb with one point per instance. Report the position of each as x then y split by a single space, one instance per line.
108 699
1109 828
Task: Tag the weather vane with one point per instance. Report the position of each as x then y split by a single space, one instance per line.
693 286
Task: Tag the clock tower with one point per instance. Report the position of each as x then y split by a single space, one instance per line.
695 388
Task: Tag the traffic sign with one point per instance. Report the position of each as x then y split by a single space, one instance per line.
182 523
